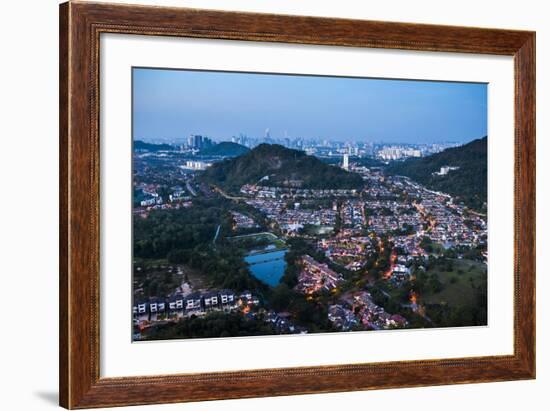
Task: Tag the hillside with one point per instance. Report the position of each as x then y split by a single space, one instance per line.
142 145
225 149
468 182
283 166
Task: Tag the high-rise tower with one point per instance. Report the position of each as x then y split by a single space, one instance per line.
345 162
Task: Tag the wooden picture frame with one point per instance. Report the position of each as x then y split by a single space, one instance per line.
80 27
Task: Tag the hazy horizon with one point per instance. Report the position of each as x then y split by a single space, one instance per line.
173 104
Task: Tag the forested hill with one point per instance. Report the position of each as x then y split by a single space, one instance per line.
142 145
468 182
283 167
226 149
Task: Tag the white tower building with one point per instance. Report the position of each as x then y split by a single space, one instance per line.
345 163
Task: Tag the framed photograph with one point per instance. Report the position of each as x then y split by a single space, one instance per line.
260 205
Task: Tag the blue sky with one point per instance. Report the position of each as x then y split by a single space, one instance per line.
176 103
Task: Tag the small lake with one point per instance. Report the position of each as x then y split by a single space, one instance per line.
267 267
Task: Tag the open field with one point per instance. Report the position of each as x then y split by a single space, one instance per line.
458 284
259 242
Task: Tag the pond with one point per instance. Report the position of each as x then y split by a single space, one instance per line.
267 267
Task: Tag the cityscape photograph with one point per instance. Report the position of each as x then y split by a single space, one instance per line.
271 204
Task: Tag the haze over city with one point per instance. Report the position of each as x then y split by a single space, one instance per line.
173 104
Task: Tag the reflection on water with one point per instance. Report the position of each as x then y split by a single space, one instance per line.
267 267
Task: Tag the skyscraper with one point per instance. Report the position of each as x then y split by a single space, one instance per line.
345 163
199 142
195 141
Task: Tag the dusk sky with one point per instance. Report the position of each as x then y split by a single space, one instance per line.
172 104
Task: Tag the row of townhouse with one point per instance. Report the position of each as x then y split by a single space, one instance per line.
315 276
194 302
260 191
341 318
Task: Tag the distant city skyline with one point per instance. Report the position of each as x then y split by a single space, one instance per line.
173 104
